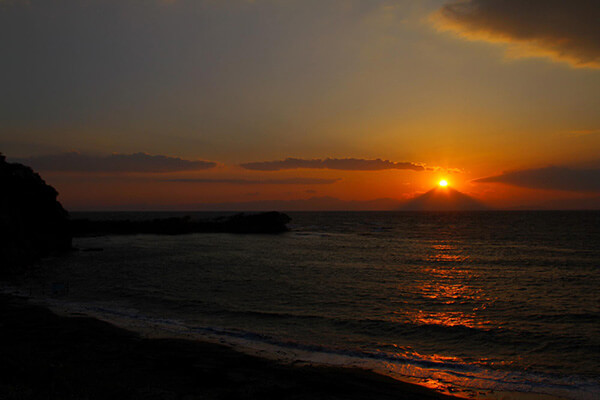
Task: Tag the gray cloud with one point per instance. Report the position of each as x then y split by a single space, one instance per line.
288 181
347 164
551 178
138 162
563 30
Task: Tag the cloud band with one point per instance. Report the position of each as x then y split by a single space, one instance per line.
289 181
137 162
550 178
346 164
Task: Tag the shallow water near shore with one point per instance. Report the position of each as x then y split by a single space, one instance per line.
479 303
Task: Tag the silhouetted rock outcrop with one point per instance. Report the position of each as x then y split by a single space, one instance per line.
267 222
443 199
32 222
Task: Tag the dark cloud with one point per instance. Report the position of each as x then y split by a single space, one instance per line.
347 164
551 178
564 30
288 181
138 162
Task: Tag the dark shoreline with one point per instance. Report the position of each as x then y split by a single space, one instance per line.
43 355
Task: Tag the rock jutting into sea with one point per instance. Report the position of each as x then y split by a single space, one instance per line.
33 223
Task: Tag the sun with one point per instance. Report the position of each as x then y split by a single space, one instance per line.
443 183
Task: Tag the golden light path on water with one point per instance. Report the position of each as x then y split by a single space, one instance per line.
446 279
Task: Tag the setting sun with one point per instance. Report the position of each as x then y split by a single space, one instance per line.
443 183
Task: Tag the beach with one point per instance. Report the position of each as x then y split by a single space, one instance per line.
43 355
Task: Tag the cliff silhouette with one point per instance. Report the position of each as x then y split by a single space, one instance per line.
443 199
33 223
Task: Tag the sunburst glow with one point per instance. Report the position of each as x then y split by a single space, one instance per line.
443 183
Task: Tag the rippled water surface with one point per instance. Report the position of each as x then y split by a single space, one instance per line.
506 301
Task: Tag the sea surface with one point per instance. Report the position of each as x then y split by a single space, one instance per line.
482 304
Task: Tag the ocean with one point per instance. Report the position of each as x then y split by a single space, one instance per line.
480 304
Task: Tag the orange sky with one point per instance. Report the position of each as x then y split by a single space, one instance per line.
465 90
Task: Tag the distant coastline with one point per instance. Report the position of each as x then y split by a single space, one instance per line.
321 204
267 222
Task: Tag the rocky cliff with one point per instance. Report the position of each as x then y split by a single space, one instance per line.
32 222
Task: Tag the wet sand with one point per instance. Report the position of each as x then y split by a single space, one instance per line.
46 356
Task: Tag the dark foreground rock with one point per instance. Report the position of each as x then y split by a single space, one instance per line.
268 222
44 356
32 222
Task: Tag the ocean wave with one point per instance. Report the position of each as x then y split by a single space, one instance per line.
453 370
522 340
401 364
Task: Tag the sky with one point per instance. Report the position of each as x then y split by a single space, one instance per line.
156 104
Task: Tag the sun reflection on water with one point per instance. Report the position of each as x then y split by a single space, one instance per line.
451 318
452 296
446 252
452 285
